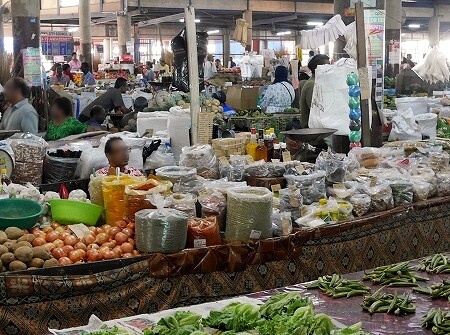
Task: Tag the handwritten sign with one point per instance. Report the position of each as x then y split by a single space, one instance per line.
364 83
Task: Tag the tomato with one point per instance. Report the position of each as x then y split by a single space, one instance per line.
80 245
126 247
70 240
129 232
121 237
64 261
59 253
38 241
52 236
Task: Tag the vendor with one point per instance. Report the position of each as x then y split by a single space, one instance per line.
75 63
62 123
66 71
149 74
97 116
21 115
308 88
59 78
299 150
118 155
209 70
88 77
164 68
110 100
280 94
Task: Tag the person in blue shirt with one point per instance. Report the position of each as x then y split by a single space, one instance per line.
88 77
97 115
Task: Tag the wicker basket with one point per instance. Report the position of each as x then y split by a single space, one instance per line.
205 127
224 147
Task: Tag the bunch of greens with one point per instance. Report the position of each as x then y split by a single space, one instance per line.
235 317
105 330
180 323
283 304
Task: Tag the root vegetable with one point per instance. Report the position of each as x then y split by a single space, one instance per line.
36 263
51 263
42 253
3 237
24 254
3 250
7 258
27 237
10 245
22 244
17 266
13 233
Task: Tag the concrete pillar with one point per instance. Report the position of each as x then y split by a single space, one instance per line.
433 31
123 32
340 7
137 45
84 12
226 47
248 17
26 30
392 37
106 50
2 34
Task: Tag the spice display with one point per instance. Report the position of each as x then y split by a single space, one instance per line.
381 196
291 201
394 275
381 302
421 190
202 158
28 173
184 202
282 224
337 286
214 204
443 184
249 212
312 186
361 204
334 165
402 192
203 232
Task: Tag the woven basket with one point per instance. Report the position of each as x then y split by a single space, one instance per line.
205 127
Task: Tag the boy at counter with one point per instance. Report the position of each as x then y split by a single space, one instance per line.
118 155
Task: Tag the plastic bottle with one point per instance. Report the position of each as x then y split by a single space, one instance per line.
261 149
251 147
5 179
268 142
276 153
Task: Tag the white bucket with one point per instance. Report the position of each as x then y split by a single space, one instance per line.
427 124
419 105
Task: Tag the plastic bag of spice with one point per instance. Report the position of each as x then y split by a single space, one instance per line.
203 232
214 204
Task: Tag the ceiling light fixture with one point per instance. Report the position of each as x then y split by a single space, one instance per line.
414 26
213 32
73 29
196 20
282 33
314 23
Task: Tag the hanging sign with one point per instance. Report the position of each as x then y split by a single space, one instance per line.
32 66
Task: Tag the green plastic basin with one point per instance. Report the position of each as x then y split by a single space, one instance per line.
20 213
70 212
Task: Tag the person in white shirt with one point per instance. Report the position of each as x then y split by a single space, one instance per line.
75 63
210 69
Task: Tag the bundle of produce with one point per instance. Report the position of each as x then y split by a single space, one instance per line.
438 263
436 291
381 302
394 275
337 286
438 320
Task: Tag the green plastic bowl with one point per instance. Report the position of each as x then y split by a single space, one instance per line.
20 213
70 212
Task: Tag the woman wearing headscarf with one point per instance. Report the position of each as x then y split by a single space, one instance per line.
280 94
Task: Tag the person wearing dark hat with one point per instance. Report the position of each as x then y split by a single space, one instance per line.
280 94
308 88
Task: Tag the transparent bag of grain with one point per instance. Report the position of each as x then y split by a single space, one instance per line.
161 230
311 186
249 214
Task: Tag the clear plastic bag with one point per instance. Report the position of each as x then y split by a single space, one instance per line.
236 168
402 192
28 173
258 169
96 190
184 202
160 158
421 190
438 161
276 170
202 158
443 184
428 175
161 230
90 160
59 169
214 204
203 232
291 200
312 187
343 190
28 147
176 174
381 196
361 204
333 164
249 211
282 224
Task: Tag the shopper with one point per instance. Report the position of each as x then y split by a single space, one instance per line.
62 123
88 77
118 155
231 64
311 55
164 68
21 115
218 64
59 78
308 88
66 71
280 94
210 70
110 100
97 116
75 63
149 74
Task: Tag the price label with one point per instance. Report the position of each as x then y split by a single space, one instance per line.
339 186
276 188
200 243
80 230
149 132
286 156
255 234
300 169
373 181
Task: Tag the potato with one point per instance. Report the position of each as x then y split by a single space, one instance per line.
13 233
7 258
24 254
10 245
35 263
22 244
17 266
3 237
51 263
3 250
42 253
27 237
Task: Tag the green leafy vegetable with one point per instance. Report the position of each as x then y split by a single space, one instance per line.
105 330
284 303
180 323
235 317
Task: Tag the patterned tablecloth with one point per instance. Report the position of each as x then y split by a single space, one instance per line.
30 303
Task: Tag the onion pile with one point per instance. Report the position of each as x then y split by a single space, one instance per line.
102 243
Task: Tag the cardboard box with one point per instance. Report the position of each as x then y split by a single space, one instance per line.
242 98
